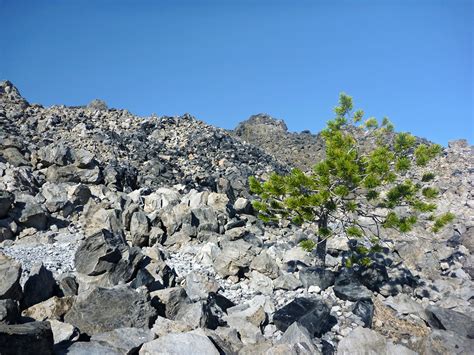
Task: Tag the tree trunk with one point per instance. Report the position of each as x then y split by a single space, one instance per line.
320 251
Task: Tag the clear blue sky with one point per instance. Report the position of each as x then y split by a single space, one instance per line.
224 60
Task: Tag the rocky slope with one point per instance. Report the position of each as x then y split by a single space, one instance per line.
125 235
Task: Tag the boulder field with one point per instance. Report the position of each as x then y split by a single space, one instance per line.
136 235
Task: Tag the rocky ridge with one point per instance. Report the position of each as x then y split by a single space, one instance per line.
124 235
297 150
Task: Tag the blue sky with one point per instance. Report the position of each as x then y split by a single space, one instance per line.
224 60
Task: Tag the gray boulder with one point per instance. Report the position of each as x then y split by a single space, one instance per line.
266 265
205 218
139 229
56 155
126 340
71 173
79 195
10 273
293 349
235 255
92 348
160 199
196 343
97 104
97 218
287 282
14 157
260 283
26 339
38 287
447 319
366 341
243 206
198 286
99 253
296 333
174 217
106 309
55 195
196 314
295 340
440 342
317 276
171 299
248 318
63 333
83 158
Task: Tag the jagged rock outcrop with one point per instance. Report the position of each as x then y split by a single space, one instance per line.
298 150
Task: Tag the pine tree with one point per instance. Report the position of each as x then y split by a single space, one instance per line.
358 189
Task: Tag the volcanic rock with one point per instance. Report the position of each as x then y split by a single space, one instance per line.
106 309
312 314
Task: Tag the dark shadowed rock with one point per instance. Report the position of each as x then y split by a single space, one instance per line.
373 276
365 310
317 276
39 286
9 311
68 284
312 314
10 273
26 339
348 287
105 309
6 201
33 215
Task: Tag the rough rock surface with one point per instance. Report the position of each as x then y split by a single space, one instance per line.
144 227
106 309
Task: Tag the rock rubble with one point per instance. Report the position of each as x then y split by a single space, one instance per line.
129 235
